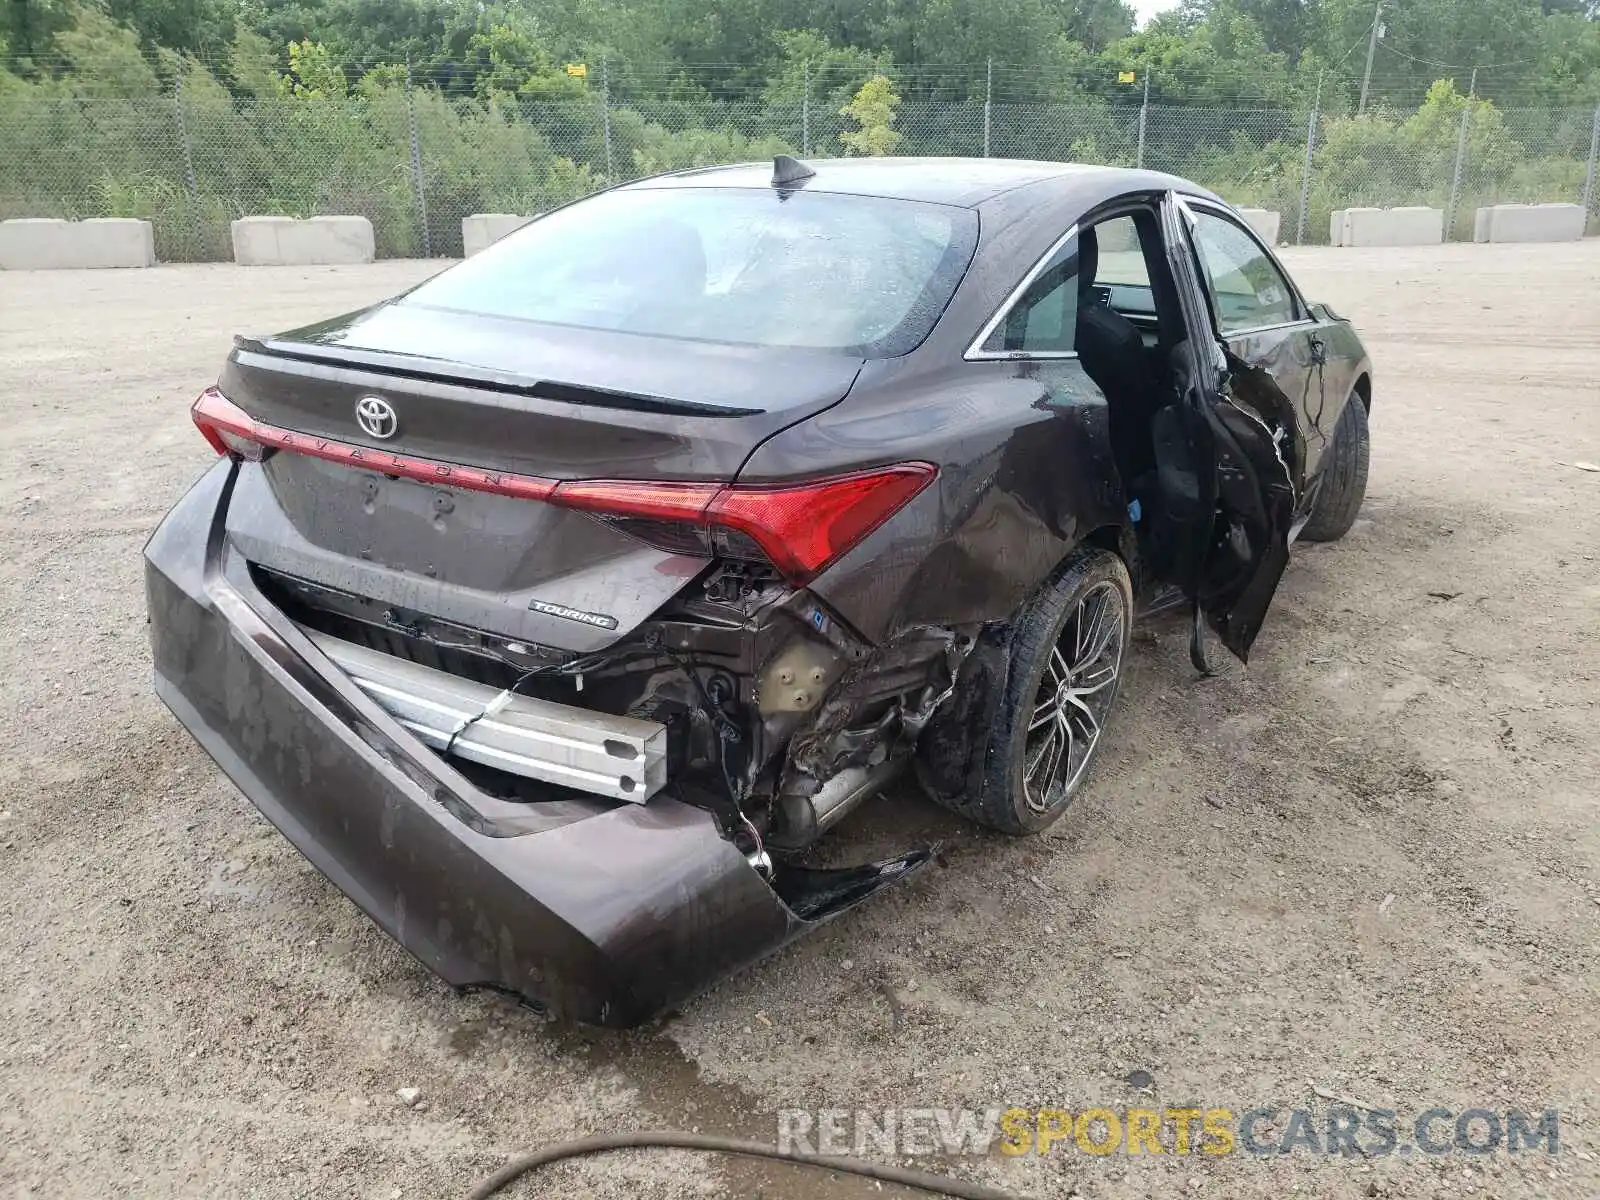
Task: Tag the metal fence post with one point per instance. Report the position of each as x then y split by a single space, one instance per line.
605 115
1311 151
1461 157
189 181
1455 179
1305 179
190 184
805 110
1594 158
1305 171
988 104
416 169
1144 115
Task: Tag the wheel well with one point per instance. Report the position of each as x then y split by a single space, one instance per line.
1119 540
1364 390
1107 537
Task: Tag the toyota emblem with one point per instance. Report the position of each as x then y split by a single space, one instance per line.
377 417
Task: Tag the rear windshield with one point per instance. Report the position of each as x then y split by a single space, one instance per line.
818 270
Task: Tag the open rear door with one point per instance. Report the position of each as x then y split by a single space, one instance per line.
1240 545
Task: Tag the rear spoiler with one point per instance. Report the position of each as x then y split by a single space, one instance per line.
437 370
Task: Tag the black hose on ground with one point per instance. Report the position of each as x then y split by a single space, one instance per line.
939 1185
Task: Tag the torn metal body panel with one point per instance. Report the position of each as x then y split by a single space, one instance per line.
603 912
556 607
1299 376
865 730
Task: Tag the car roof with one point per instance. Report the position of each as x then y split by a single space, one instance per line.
965 182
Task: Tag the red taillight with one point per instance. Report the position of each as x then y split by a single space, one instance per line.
210 432
226 426
804 527
800 528
627 498
231 430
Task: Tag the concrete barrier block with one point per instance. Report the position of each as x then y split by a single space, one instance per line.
342 239
1265 222
1529 223
31 243
484 229
48 243
255 240
1388 227
117 242
1480 224
287 242
1336 227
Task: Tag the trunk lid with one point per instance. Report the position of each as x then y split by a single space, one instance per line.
507 396
513 395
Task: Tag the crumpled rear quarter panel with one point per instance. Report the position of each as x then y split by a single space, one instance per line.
607 917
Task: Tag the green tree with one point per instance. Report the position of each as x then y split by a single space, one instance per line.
252 65
512 62
834 72
956 39
1425 40
29 27
1095 23
313 73
1221 63
1569 74
196 27
873 111
104 59
1288 27
659 150
1434 130
723 46
367 32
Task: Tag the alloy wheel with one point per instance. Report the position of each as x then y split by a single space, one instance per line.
1074 697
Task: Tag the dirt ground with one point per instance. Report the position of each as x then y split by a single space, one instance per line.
1368 863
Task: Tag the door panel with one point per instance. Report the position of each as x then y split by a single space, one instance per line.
1250 544
1241 457
1272 373
1278 352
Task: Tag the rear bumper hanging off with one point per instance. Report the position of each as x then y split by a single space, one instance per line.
606 914
620 757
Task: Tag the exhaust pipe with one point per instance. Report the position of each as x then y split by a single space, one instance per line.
839 797
806 818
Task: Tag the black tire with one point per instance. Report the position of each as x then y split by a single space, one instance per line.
975 757
1344 476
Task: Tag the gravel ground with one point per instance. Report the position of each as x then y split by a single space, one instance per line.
1369 862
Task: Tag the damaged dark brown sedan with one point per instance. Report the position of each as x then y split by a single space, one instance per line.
553 608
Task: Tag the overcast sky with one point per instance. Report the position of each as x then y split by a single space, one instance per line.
1149 8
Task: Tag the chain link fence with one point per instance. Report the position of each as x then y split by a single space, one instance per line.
416 162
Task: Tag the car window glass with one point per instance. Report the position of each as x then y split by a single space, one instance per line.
1045 319
753 267
1247 290
1121 261
1122 277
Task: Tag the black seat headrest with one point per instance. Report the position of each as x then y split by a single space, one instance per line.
1088 263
